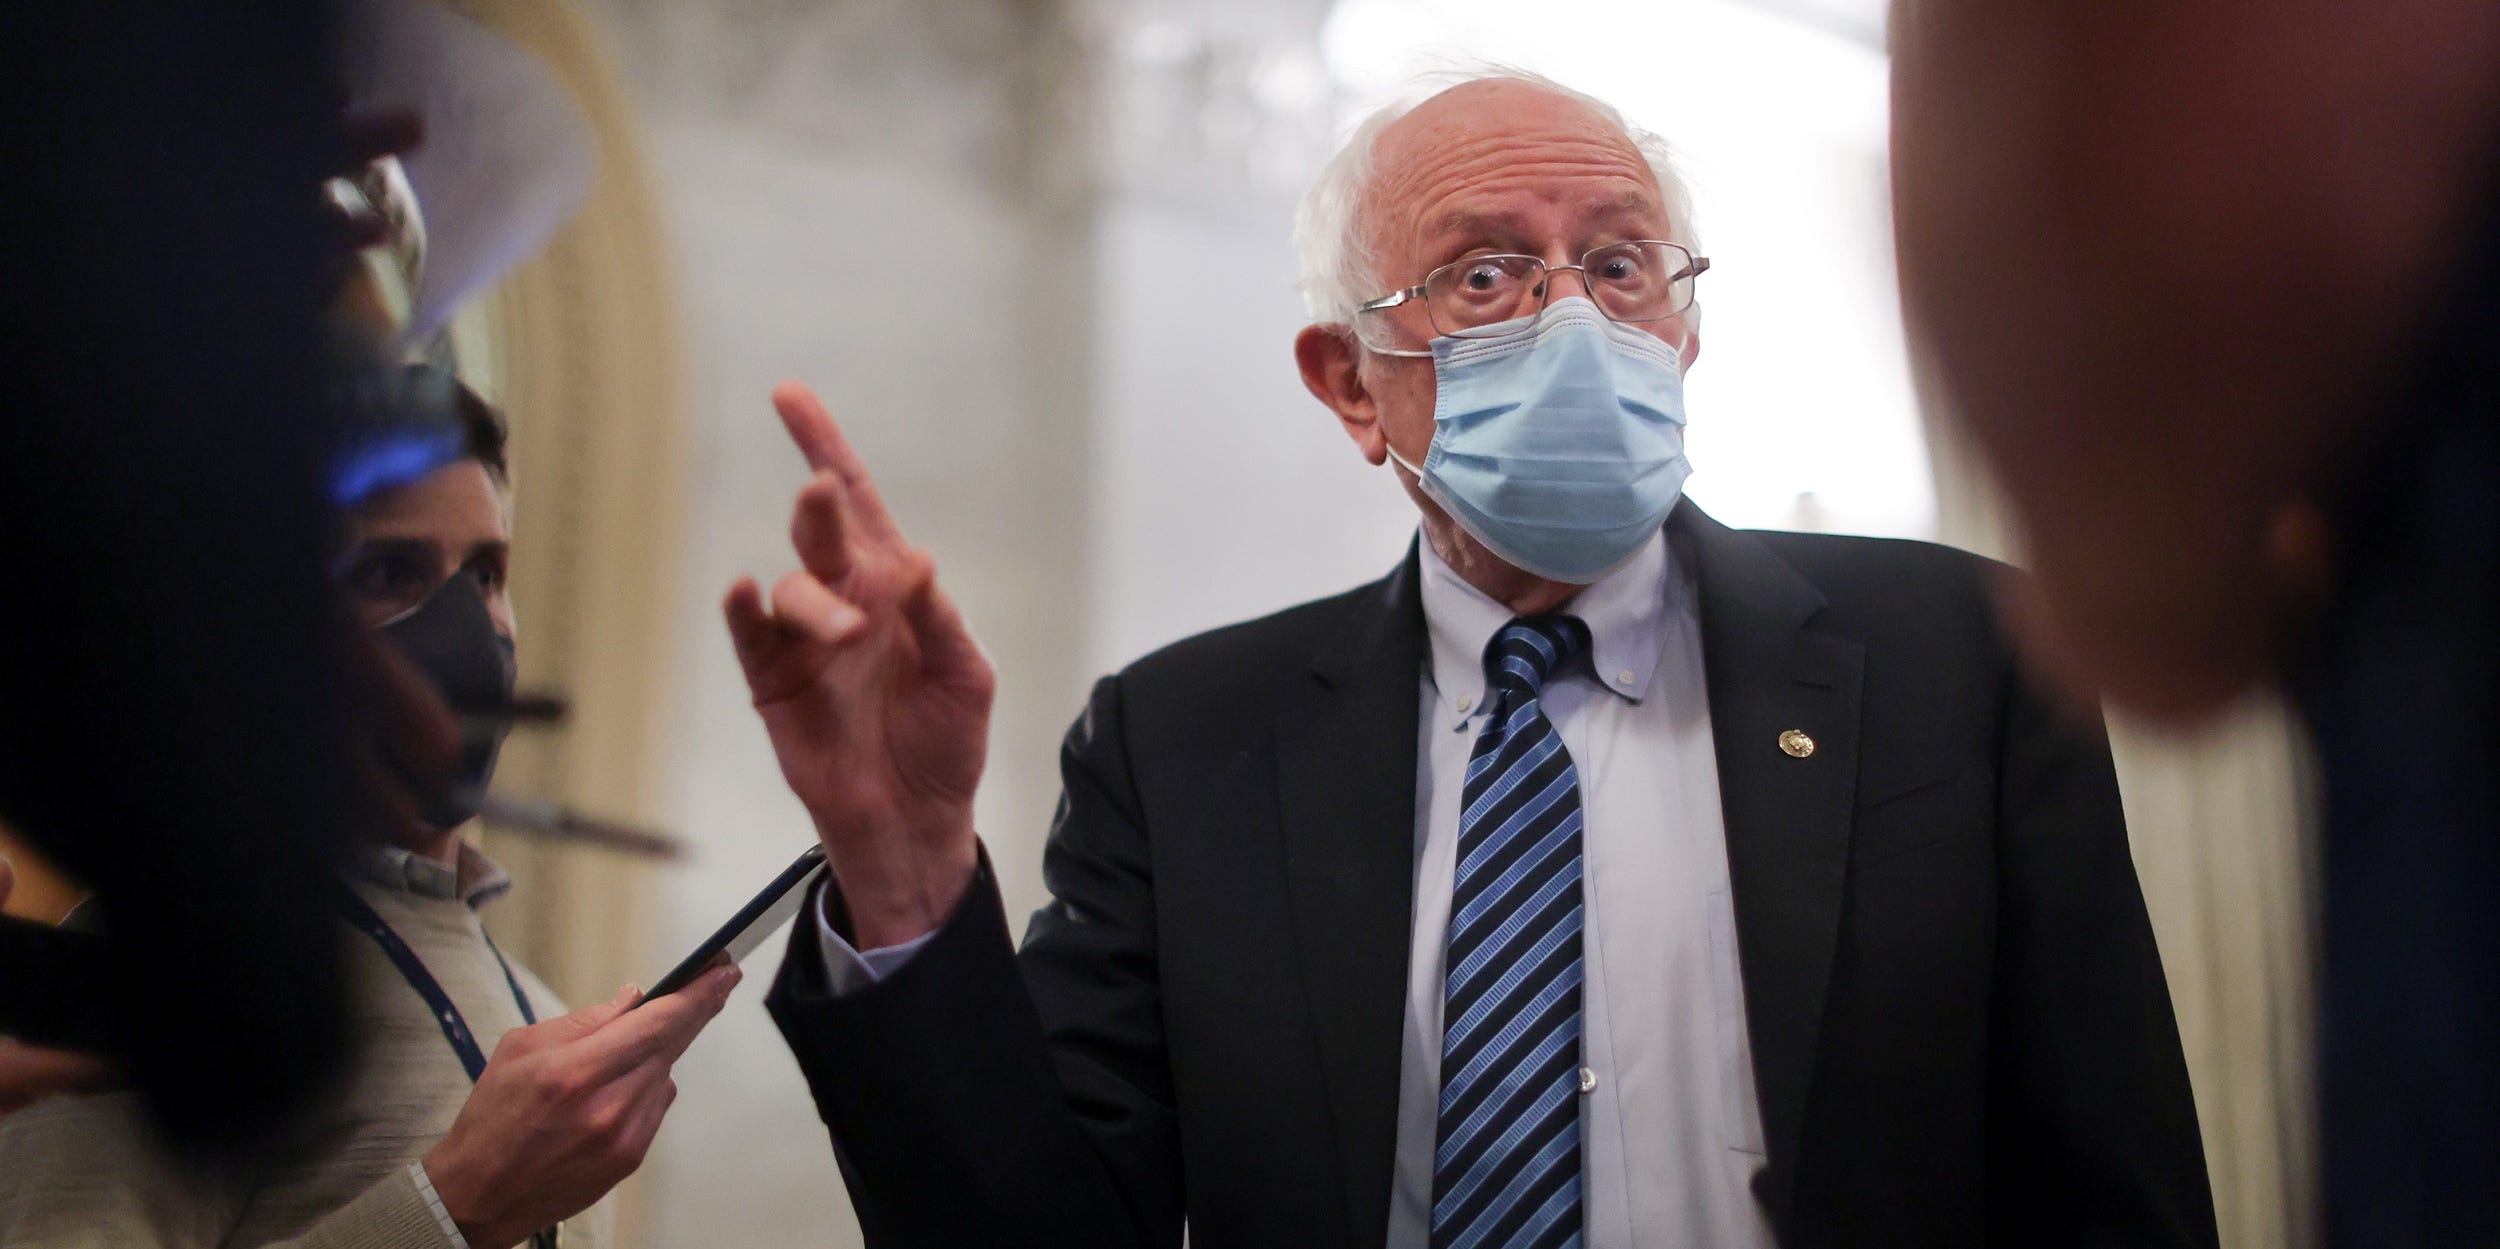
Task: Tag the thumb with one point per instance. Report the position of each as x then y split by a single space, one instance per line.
947 650
568 1028
590 1019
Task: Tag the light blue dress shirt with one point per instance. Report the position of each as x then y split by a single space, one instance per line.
1670 1130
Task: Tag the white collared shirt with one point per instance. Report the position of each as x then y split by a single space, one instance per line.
1671 1134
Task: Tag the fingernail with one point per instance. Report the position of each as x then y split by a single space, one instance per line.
844 617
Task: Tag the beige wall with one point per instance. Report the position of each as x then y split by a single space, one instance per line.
857 199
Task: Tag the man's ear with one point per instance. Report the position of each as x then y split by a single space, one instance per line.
1332 370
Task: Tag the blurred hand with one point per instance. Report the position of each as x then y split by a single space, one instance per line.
29 1073
565 1110
364 138
875 695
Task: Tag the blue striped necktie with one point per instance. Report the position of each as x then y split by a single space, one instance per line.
1506 1158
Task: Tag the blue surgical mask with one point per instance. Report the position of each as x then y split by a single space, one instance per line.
1560 443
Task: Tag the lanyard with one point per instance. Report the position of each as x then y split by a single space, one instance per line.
411 969
446 1015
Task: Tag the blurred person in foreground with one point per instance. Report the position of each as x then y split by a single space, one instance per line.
1602 876
442 1136
182 710
2216 288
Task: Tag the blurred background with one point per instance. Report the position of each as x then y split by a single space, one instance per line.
1036 255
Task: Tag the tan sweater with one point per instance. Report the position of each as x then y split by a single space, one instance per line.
81 1172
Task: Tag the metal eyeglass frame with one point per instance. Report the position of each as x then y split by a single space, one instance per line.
1694 268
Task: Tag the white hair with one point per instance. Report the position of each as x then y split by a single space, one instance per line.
1330 231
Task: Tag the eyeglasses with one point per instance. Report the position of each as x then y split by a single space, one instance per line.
1642 280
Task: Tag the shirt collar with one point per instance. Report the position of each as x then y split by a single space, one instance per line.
1625 612
473 879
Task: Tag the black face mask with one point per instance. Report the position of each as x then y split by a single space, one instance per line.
452 640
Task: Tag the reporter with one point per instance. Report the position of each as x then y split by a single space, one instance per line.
429 1142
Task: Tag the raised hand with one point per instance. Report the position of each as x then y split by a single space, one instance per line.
872 689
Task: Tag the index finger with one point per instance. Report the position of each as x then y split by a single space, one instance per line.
821 440
661 1028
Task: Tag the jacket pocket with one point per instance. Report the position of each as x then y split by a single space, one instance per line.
1923 816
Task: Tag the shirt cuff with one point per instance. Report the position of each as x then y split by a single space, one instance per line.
434 1202
847 970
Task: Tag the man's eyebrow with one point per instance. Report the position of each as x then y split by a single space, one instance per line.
394 542
1628 204
1472 222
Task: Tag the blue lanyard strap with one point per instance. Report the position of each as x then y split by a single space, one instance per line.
412 969
455 1028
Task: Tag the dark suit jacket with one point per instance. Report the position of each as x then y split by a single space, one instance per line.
1958 1019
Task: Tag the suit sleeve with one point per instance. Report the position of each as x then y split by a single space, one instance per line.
2092 1119
979 1095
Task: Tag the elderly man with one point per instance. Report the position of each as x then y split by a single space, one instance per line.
1600 876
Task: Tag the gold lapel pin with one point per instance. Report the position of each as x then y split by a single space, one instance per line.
1796 743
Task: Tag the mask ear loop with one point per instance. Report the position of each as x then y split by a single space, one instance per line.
428 600
1363 341
411 609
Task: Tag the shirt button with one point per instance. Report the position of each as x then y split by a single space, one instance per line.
1588 1079
1465 702
1624 677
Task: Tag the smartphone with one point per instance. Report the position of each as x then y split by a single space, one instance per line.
763 915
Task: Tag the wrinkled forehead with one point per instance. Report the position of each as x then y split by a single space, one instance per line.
1505 157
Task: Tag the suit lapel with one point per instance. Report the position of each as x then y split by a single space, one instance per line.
1346 795
1346 798
1788 818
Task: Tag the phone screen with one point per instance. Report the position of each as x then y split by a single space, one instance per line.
761 917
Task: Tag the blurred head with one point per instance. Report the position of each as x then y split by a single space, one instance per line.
406 541
2164 266
1497 162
